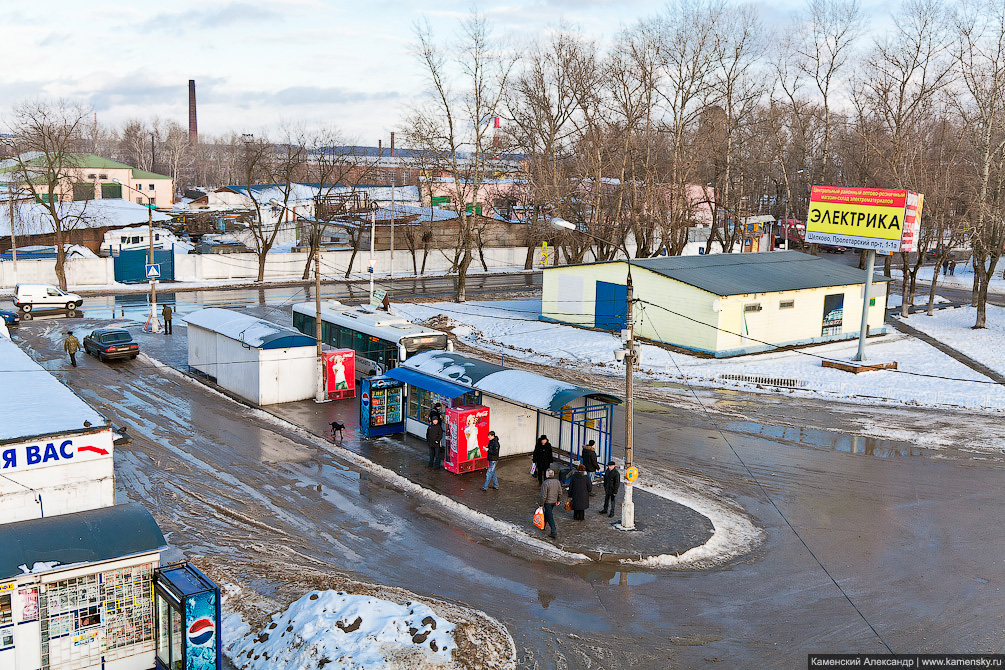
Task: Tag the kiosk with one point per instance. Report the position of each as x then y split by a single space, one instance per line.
381 410
187 612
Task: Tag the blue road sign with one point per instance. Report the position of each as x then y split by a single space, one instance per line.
153 270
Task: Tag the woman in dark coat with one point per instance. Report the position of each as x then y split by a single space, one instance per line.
579 492
590 459
542 457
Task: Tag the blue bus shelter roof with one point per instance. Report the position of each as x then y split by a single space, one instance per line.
437 386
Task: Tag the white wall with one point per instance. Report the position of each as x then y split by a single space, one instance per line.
79 272
237 368
287 375
81 483
515 425
202 349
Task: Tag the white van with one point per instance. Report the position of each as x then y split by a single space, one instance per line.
44 296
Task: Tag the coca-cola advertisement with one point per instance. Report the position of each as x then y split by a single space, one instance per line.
340 373
467 433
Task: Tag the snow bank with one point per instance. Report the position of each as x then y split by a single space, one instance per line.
925 376
346 631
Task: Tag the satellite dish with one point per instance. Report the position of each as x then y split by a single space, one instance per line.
715 306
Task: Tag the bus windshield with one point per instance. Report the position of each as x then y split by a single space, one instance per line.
419 343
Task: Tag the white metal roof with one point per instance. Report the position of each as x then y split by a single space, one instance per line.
33 403
248 330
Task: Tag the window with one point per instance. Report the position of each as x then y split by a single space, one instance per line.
153 201
104 176
786 304
150 187
753 307
88 616
92 176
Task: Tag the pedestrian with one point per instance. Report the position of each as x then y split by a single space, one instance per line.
492 451
71 346
612 481
434 433
590 458
437 412
551 493
945 268
579 492
166 313
542 457
952 267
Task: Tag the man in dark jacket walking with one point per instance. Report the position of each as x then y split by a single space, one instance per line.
612 482
434 433
492 452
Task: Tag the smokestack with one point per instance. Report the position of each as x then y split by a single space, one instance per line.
193 130
392 144
380 148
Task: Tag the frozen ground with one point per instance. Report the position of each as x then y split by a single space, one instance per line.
925 376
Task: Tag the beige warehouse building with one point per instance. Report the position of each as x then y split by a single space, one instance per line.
720 304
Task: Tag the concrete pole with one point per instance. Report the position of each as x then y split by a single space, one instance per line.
373 233
321 395
628 507
392 222
155 325
870 266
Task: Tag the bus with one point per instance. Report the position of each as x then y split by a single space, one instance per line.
380 340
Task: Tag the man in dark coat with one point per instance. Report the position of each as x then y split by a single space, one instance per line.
166 313
579 492
434 433
612 482
590 458
492 453
71 346
542 457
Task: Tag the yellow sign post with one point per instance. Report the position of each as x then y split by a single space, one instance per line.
631 474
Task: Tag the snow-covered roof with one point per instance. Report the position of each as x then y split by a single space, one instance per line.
248 330
34 219
35 403
263 193
526 388
401 193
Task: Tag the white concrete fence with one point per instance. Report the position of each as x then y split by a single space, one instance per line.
86 272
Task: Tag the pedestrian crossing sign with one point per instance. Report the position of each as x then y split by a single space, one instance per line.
153 270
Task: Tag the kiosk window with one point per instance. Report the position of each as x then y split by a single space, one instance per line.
87 617
5 612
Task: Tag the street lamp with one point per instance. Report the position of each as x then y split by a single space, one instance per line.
155 325
319 395
629 355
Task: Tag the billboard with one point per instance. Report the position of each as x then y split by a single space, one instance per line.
865 218
467 433
340 373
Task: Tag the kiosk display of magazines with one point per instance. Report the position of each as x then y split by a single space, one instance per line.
381 406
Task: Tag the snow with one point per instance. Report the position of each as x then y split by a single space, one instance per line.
34 218
955 328
348 631
526 387
925 376
41 566
241 327
34 402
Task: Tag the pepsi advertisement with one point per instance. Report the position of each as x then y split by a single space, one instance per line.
200 631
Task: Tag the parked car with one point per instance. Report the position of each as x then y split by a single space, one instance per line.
833 249
10 318
110 343
40 296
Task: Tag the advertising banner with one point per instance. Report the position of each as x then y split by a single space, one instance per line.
467 432
864 218
340 373
201 631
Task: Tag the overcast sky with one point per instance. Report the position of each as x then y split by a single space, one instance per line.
259 63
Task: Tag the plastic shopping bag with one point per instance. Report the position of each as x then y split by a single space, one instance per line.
539 518
533 469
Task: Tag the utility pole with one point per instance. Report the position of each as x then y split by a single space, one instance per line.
13 240
321 396
628 507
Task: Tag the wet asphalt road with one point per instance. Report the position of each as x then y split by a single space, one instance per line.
882 525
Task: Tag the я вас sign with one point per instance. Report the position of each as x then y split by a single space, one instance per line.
27 456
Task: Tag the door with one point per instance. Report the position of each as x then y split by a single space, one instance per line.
611 308
833 314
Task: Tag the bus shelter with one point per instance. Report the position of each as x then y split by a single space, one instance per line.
523 405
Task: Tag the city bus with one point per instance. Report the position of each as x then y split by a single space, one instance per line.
379 339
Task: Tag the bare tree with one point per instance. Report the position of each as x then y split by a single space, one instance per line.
980 27
451 128
43 139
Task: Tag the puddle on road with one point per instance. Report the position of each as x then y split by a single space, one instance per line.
611 575
814 437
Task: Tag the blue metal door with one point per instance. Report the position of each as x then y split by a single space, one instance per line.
611 308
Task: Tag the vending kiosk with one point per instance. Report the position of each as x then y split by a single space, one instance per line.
467 436
340 373
187 616
381 406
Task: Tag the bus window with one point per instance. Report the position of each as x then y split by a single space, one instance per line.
344 337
